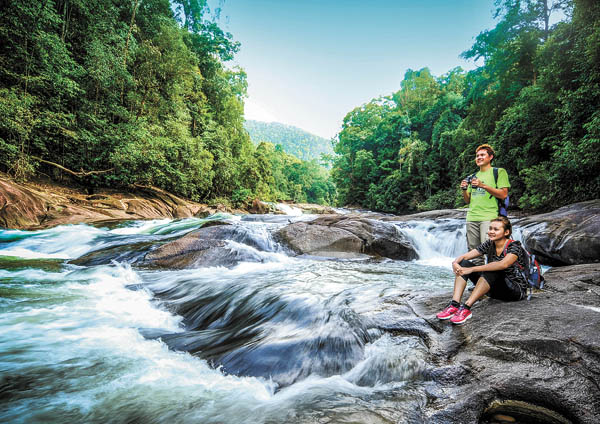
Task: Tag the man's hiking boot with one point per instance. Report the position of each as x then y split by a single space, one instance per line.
461 315
448 312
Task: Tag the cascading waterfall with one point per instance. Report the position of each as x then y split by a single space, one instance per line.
283 339
436 242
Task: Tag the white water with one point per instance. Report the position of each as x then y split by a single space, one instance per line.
437 243
73 348
289 210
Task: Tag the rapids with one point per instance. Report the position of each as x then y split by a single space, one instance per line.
287 339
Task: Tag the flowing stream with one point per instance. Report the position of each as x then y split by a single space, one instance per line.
286 339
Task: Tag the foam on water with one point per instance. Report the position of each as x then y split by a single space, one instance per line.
97 328
289 210
64 242
141 227
72 345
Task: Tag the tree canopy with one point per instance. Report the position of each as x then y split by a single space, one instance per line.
536 100
139 89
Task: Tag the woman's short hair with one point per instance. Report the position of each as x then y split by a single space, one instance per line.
505 224
487 148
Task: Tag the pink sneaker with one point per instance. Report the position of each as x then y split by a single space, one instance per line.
461 316
448 312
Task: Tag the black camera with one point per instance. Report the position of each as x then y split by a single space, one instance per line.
469 179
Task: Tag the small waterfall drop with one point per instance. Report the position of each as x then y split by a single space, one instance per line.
288 210
437 243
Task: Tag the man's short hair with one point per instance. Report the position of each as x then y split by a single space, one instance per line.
487 148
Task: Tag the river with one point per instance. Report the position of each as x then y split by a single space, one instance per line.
286 339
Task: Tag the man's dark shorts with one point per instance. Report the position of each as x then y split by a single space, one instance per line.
500 288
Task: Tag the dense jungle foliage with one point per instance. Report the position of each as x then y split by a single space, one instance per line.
536 100
294 141
123 92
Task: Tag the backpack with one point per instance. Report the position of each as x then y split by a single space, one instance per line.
502 204
531 270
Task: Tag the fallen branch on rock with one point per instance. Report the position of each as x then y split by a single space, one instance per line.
81 173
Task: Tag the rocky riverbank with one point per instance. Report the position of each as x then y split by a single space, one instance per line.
534 361
45 205
37 205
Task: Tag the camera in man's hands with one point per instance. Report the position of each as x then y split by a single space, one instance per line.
469 179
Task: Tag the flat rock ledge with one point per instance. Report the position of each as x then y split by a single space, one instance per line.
534 361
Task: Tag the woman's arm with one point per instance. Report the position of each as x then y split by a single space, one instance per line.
469 255
507 261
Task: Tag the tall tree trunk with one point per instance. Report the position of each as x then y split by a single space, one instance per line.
546 20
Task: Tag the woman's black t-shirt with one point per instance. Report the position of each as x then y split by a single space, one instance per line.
513 272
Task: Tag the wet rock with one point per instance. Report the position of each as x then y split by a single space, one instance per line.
126 253
567 236
347 233
198 253
544 352
307 238
206 211
209 246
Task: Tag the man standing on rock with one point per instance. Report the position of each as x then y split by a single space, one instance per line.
480 192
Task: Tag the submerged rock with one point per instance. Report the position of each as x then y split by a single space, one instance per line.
123 253
211 246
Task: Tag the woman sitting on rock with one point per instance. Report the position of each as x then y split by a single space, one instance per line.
500 276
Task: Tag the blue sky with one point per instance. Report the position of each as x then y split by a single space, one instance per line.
310 62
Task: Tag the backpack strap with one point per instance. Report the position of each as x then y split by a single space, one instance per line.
506 246
495 179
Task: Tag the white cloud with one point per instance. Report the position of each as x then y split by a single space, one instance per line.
256 112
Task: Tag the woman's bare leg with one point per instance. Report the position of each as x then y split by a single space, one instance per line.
459 288
481 288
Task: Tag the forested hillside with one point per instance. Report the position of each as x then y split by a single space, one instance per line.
294 141
536 100
122 92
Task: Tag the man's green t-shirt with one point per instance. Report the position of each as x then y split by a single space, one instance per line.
481 206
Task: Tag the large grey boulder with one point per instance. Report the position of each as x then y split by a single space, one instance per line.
347 233
318 240
530 359
567 236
